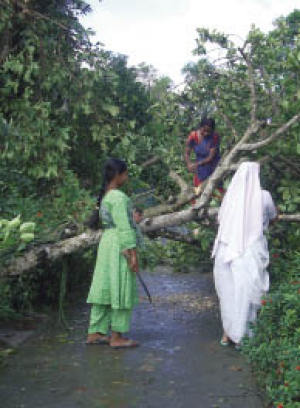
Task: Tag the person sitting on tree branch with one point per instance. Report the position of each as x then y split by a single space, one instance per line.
205 143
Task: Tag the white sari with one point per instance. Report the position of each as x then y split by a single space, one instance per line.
241 251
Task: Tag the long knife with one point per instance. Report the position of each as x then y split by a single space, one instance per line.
146 290
144 287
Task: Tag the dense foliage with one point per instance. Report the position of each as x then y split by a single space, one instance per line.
274 350
67 104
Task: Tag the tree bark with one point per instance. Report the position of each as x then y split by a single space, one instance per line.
157 227
50 253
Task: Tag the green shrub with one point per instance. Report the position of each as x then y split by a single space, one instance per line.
50 207
274 351
15 235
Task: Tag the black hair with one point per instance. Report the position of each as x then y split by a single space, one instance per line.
208 122
139 210
112 168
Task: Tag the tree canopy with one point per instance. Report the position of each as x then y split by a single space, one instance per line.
67 104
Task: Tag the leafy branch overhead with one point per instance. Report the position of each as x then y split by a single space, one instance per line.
66 105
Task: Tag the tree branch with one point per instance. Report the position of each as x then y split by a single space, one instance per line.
251 84
150 162
229 124
175 218
272 137
50 253
155 227
169 208
261 161
186 193
179 180
289 217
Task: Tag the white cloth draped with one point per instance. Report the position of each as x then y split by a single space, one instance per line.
241 212
241 250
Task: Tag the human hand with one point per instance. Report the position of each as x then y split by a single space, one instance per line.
192 167
134 266
133 262
126 253
131 256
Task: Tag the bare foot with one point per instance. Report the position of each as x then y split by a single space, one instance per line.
117 341
123 343
225 338
97 338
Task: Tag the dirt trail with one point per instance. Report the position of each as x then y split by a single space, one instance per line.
180 363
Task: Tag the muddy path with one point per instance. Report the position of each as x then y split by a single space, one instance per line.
179 364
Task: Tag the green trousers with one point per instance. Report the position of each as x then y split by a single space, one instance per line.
103 318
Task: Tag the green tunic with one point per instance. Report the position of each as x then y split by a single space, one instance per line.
113 282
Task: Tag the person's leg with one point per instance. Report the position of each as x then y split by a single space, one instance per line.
99 324
120 320
120 324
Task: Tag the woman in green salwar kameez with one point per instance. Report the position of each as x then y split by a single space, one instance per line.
113 291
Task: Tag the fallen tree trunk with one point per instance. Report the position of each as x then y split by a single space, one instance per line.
50 253
54 251
157 226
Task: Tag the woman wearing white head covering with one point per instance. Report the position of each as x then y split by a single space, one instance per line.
241 251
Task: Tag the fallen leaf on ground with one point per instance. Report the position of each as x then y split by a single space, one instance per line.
235 368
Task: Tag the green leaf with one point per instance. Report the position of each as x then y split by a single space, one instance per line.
14 223
27 237
132 124
27 227
111 109
21 247
286 195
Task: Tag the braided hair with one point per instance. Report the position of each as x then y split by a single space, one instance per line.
111 169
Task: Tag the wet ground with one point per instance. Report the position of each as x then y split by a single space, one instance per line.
179 364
